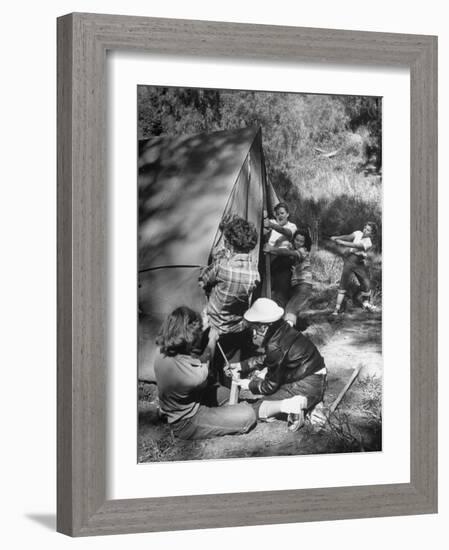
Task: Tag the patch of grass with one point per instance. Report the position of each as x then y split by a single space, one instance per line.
357 426
323 297
375 272
326 183
344 437
326 267
371 397
156 450
147 391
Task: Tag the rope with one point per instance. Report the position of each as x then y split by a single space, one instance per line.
194 266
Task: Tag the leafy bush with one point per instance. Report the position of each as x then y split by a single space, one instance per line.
323 152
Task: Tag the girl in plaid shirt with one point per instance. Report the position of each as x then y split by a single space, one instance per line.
229 282
231 278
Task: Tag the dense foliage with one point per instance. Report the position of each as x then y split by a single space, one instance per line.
323 152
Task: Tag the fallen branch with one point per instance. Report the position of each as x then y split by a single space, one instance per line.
354 375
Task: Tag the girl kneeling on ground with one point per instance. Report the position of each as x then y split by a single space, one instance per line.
295 378
194 408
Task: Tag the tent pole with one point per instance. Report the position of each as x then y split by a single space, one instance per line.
265 210
268 274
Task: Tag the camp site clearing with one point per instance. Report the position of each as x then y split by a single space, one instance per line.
355 426
187 186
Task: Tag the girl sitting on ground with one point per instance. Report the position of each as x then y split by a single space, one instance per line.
301 273
193 407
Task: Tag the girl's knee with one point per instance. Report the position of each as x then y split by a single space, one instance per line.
249 418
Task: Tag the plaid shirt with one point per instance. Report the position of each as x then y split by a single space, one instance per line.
230 282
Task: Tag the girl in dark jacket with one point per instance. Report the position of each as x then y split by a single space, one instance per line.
295 378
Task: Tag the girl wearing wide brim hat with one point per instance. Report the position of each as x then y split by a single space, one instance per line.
295 378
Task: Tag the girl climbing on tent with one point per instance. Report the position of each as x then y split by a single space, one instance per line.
359 243
192 406
229 282
301 273
280 233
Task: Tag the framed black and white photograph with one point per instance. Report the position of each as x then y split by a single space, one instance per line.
260 217
245 217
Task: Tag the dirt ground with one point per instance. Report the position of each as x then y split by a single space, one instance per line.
353 339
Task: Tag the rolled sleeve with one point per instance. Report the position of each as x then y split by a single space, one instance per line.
209 275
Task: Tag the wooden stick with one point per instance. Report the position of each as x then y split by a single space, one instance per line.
268 275
354 375
223 354
234 395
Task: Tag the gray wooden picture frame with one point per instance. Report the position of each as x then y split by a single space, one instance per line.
83 41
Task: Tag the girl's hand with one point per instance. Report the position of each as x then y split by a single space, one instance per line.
262 373
334 238
232 370
242 382
205 319
267 248
213 336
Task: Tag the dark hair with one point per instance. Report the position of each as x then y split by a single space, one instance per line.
180 332
282 205
373 226
307 238
241 234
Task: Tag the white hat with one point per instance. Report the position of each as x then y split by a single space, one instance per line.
263 311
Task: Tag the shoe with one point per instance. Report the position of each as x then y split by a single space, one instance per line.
367 306
295 408
335 315
294 404
269 419
295 421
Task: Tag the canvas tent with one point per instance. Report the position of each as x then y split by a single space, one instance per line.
186 185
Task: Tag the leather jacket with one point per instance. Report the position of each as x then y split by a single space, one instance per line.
289 357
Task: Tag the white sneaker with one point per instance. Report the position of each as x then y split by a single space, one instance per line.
294 404
295 407
367 306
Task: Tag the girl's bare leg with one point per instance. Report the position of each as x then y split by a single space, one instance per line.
340 299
